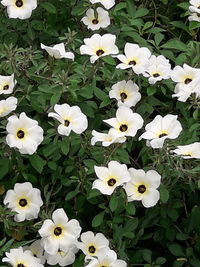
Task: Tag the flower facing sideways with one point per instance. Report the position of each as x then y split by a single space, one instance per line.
37 250
21 9
99 46
24 133
58 51
143 186
126 93
109 178
95 23
19 258
191 151
7 105
195 6
7 84
59 233
126 122
71 119
194 17
25 200
135 57
93 245
106 3
160 129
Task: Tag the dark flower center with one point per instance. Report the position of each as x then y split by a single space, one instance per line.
66 123
23 202
156 75
20 265
19 3
58 231
123 96
99 52
6 87
20 134
92 249
162 135
141 188
123 128
95 21
132 62
111 182
187 81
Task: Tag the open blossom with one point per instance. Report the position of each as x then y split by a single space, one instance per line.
135 57
106 3
71 119
7 105
37 250
59 234
19 258
58 51
21 9
159 68
24 133
191 151
25 200
102 20
126 122
143 186
126 93
184 75
93 245
108 259
106 138
195 6
160 129
7 84
99 46
109 178
194 17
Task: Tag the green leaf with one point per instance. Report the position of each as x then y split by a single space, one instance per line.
98 219
175 44
151 91
4 167
164 194
176 250
49 7
113 202
37 162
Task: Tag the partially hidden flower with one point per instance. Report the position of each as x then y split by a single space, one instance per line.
60 233
191 151
8 105
195 6
101 20
21 9
37 250
185 75
7 84
23 133
160 129
143 186
58 51
99 46
109 178
126 93
106 138
25 200
194 17
106 3
71 119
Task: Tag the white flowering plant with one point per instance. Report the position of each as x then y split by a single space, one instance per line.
100 133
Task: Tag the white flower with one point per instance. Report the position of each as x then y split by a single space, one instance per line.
7 84
24 133
106 138
194 17
195 6
184 75
109 178
108 259
135 57
7 105
126 93
159 68
71 119
143 186
160 129
93 245
58 51
37 250
106 3
59 233
95 23
19 258
126 122
21 9
191 151
63 258
25 200
99 46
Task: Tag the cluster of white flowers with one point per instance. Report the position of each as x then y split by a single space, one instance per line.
194 8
